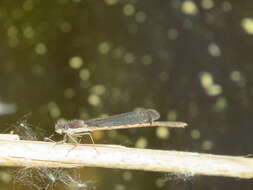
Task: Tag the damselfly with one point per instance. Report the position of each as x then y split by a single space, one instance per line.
140 118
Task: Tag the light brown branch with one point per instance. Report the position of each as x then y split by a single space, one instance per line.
44 154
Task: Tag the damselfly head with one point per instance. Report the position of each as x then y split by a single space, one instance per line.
61 127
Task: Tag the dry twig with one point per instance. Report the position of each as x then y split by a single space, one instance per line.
45 154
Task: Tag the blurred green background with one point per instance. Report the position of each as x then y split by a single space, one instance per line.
190 60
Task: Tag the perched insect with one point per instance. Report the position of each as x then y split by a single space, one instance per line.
141 118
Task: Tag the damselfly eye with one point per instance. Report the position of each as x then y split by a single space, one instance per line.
66 127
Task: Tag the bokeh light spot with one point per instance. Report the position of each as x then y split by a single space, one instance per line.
220 105
28 32
207 4
189 7
235 76
226 6
207 145
111 2
84 74
146 59
172 115
195 134
54 110
129 57
94 100
162 132
214 90
247 25
127 175
12 31
76 62
119 187
98 89
65 27
140 17
128 9
28 5
214 50
118 52
141 143
206 79
40 48
104 48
